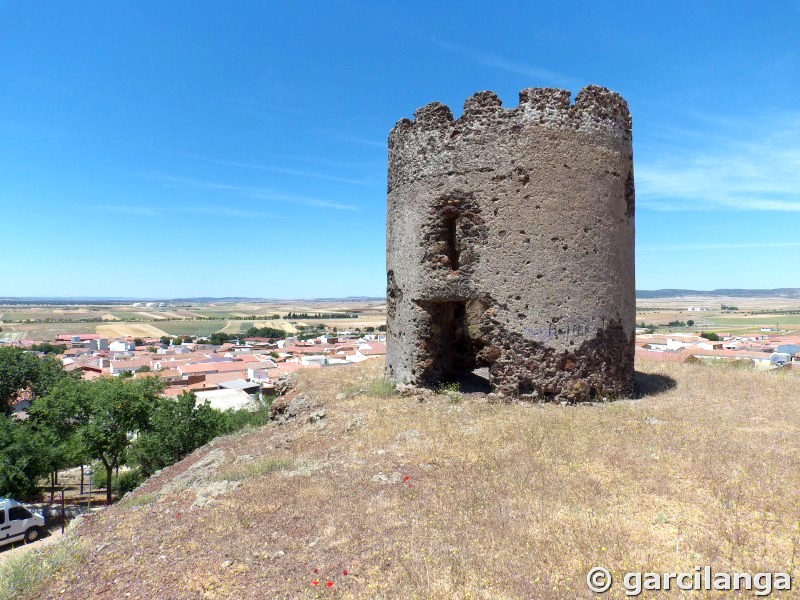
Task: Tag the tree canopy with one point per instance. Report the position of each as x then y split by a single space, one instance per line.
177 427
20 370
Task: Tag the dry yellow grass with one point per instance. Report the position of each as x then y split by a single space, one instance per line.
444 497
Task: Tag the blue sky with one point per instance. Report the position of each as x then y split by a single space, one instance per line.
164 149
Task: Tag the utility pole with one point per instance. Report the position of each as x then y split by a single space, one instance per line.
90 473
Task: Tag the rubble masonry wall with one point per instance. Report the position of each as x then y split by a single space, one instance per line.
510 245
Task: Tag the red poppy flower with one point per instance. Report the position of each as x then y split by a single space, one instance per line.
315 582
345 572
407 478
178 516
330 584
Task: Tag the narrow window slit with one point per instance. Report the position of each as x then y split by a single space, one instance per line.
450 230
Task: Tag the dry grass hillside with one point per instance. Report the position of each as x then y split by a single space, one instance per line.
366 494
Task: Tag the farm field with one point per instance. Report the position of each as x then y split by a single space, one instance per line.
45 322
43 331
190 327
232 317
751 315
129 330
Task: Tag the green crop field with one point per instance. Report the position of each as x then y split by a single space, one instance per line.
190 327
236 326
762 321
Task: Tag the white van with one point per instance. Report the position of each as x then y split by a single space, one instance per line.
18 523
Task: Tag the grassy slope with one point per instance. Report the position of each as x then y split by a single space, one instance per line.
501 501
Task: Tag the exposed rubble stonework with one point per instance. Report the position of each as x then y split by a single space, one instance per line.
510 245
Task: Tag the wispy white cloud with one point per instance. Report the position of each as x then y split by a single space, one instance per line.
301 173
720 246
265 194
286 170
753 167
362 141
257 193
251 107
147 211
495 61
226 212
138 211
173 181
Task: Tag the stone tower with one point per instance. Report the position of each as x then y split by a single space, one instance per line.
510 245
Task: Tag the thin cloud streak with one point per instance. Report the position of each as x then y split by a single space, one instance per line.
283 170
495 61
362 141
272 169
138 211
279 197
756 172
720 246
258 193
172 181
250 107
194 210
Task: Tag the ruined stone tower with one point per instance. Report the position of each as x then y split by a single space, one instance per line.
510 245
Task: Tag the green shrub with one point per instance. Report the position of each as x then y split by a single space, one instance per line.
234 420
452 389
99 477
127 482
381 387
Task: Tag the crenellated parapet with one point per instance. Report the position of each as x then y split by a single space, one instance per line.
597 113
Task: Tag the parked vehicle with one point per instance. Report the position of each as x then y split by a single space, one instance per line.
18 523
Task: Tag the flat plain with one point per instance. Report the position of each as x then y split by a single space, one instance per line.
742 316
46 321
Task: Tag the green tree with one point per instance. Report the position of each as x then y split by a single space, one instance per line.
52 452
165 339
21 465
138 341
20 370
54 421
48 348
105 413
178 426
712 337
268 332
690 322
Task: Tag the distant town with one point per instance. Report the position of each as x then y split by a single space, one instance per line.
229 375
231 357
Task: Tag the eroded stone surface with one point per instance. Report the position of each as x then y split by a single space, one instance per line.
510 245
